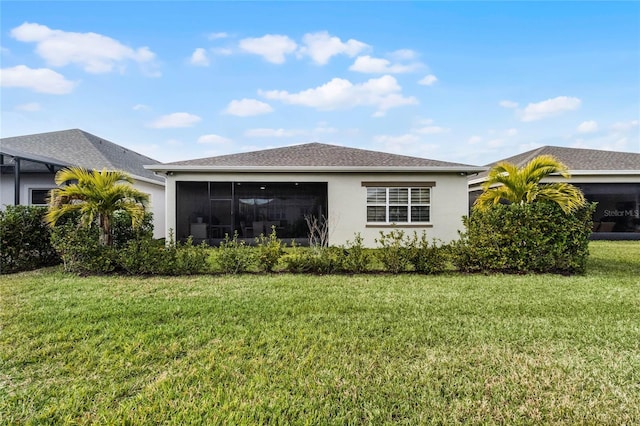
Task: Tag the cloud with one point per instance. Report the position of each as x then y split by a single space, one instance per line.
141 107
474 140
175 120
95 53
320 47
41 80
624 126
199 58
432 130
222 51
511 132
508 104
213 139
248 107
428 80
403 55
382 93
216 36
272 133
587 127
549 108
371 65
29 107
273 48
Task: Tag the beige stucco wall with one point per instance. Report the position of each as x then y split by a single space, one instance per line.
347 200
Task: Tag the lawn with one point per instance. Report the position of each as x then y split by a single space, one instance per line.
293 349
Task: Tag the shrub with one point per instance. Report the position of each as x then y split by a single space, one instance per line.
269 250
25 240
315 260
425 257
80 249
122 231
357 258
191 259
233 256
519 238
393 251
147 256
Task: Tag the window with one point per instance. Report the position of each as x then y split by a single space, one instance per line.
398 205
39 197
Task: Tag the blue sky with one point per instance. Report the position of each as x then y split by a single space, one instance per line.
469 82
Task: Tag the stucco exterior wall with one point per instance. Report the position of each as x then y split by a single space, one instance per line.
347 200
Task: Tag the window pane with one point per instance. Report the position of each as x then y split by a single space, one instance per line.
420 195
39 196
398 195
420 214
398 214
376 214
376 195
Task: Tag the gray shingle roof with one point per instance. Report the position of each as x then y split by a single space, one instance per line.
82 149
318 155
579 159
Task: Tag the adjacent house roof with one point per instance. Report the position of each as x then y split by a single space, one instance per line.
580 161
79 148
314 157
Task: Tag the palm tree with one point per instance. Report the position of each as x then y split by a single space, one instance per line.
522 185
96 195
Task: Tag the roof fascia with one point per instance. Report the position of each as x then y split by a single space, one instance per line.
163 168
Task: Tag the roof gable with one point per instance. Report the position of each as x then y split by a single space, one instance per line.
79 148
315 155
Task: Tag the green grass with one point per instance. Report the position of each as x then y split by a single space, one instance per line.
277 349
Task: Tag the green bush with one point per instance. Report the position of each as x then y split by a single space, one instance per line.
393 252
25 240
269 251
122 231
80 249
191 259
426 257
357 257
147 256
233 256
315 260
520 238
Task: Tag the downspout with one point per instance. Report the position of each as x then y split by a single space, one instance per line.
16 181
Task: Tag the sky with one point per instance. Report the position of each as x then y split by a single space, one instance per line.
466 82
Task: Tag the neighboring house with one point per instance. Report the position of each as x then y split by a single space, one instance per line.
28 165
357 191
612 179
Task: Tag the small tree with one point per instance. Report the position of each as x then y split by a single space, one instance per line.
96 195
522 185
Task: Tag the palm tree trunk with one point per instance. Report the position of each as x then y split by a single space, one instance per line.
105 230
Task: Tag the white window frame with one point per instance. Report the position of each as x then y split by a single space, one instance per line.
387 204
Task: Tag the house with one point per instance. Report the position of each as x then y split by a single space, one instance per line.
351 190
609 178
28 165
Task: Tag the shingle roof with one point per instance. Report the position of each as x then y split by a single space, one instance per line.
315 155
82 149
579 159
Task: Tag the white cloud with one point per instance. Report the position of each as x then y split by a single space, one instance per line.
216 36
141 107
320 47
96 53
549 108
222 51
272 48
371 65
508 104
428 80
624 126
432 130
213 139
495 143
407 138
271 133
474 140
199 58
587 127
382 93
511 132
248 107
29 107
403 55
42 80
177 119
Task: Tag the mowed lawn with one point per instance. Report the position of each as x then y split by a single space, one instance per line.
288 349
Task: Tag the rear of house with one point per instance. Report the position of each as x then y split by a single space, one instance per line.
354 190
